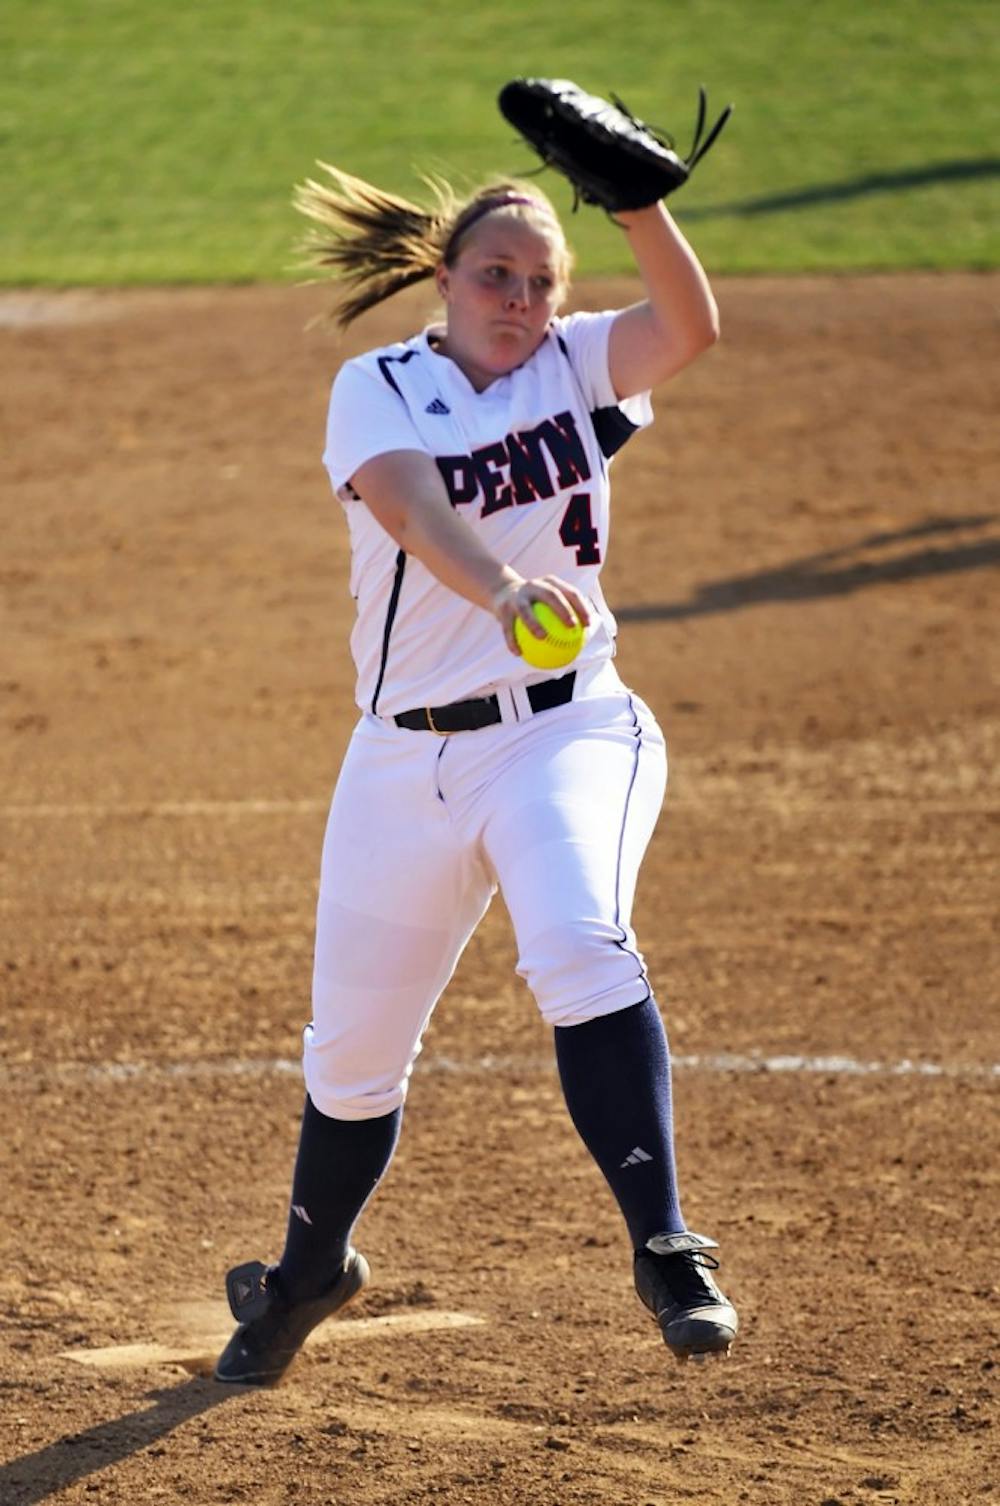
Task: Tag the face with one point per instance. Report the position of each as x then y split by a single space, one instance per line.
500 293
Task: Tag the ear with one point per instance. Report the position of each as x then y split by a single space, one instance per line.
442 279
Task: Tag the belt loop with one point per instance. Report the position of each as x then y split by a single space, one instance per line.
520 705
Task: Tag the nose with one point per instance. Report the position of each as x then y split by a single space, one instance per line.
517 293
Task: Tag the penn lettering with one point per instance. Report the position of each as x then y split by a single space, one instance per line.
528 466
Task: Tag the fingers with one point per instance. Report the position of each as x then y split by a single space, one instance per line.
517 600
579 607
565 600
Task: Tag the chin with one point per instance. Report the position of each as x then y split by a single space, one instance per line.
513 350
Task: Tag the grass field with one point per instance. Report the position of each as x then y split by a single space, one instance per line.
146 142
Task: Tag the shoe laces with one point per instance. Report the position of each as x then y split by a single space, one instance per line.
687 1276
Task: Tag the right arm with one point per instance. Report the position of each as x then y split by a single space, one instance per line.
404 492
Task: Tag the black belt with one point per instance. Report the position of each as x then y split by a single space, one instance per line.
466 716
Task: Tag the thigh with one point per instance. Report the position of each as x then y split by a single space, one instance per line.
570 822
400 895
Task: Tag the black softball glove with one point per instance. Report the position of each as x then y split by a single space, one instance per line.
610 158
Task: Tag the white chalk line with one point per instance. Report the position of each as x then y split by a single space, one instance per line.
720 1062
167 808
138 1356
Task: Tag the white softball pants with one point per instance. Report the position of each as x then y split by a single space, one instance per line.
556 810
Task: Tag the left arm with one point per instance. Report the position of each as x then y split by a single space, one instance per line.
679 318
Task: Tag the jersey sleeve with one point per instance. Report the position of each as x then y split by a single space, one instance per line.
367 417
584 338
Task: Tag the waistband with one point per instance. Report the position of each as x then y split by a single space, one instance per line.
485 711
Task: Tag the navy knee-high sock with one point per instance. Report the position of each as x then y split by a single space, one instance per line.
339 1164
615 1074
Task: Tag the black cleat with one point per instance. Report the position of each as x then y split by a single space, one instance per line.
673 1279
272 1330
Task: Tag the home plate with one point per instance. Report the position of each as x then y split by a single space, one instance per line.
140 1356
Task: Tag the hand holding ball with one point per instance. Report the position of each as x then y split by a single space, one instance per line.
560 645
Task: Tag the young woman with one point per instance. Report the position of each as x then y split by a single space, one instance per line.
472 461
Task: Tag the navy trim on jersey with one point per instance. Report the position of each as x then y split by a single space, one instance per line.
390 616
611 427
383 366
397 584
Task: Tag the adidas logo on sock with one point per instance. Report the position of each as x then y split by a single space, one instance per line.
301 1213
437 406
636 1157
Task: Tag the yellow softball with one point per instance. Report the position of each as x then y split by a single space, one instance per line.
560 645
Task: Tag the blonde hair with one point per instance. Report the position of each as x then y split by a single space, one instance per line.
378 243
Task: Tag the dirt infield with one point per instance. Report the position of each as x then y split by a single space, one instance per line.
804 568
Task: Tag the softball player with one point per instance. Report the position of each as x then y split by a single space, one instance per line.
472 462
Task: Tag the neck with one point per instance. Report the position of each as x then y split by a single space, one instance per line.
476 375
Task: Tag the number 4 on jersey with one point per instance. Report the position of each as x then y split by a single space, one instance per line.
577 530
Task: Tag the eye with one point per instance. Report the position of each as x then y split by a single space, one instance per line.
544 282
496 272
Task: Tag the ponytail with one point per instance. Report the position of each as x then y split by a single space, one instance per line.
378 244
374 241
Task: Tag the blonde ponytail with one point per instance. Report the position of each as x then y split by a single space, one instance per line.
378 243
374 241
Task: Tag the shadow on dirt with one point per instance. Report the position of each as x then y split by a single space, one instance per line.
36 1477
962 170
837 572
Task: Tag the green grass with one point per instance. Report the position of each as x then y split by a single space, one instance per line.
149 141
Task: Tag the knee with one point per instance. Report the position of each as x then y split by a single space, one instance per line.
345 1085
582 970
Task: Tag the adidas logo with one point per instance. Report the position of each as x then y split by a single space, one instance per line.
301 1213
636 1157
437 406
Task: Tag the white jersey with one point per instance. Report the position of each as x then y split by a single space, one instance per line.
525 463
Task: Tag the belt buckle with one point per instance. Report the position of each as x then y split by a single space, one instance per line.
430 722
